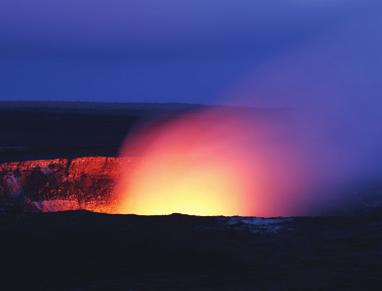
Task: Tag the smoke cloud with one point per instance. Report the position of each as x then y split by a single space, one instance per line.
307 157
332 87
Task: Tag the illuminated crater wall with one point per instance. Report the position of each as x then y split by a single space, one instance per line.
59 184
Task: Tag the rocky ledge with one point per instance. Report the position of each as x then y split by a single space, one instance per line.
59 184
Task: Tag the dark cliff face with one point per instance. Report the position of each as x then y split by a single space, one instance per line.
59 184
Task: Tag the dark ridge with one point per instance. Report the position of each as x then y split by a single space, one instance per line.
90 251
47 130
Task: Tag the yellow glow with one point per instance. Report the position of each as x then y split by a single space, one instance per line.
164 186
199 164
212 162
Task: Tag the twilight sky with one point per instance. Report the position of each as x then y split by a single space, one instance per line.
196 51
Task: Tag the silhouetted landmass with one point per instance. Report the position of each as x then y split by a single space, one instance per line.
88 251
46 130
41 130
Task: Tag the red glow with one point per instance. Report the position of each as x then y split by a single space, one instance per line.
207 163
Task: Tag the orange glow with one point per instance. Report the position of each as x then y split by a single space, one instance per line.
205 163
200 189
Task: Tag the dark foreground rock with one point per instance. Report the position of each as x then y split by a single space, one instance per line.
88 251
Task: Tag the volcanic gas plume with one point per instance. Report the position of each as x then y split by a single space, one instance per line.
228 162
215 162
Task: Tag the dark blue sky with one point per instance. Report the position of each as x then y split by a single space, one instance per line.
195 51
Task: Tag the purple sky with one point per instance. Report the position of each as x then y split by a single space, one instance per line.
153 50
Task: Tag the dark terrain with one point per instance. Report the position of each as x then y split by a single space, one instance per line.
88 251
43 130
79 250
46 130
